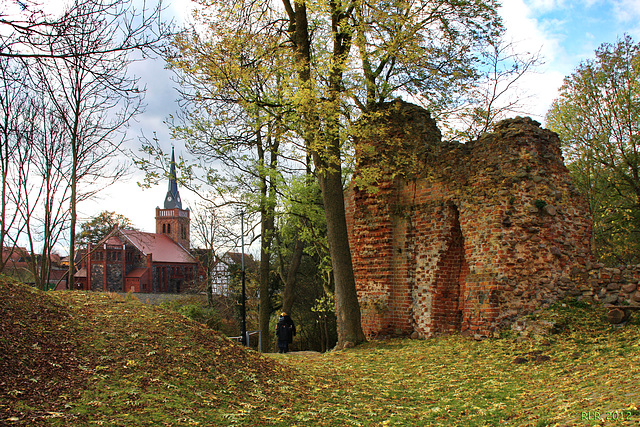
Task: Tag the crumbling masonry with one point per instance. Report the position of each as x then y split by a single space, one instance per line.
449 237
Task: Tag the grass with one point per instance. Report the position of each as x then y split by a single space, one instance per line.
122 363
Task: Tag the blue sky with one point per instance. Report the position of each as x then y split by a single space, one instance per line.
564 32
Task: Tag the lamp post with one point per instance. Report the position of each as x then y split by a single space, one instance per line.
244 313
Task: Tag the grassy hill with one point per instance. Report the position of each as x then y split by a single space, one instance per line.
78 358
75 358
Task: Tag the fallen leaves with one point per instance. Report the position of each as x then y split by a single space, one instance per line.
39 364
86 357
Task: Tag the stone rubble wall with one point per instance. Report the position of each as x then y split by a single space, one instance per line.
610 286
450 237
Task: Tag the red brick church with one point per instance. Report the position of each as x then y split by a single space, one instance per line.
136 261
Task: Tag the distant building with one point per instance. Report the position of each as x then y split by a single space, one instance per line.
18 263
223 269
136 261
14 258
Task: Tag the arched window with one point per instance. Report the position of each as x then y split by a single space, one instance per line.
168 228
164 228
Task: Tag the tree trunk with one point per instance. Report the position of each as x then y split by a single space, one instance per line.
264 314
290 280
325 150
72 225
347 306
267 214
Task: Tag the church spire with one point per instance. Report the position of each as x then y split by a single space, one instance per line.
172 200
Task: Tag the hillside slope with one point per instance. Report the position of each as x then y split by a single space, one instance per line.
40 366
76 359
69 358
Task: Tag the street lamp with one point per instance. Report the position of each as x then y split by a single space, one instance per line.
244 313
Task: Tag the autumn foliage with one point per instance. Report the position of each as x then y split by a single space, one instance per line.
81 358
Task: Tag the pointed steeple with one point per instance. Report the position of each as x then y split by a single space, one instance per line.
172 199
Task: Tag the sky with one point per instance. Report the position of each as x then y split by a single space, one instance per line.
564 32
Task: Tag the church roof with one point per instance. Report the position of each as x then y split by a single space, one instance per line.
137 272
113 240
160 246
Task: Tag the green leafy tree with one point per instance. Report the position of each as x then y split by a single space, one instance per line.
97 228
304 265
236 123
596 117
341 58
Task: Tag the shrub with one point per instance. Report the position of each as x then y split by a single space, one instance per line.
196 311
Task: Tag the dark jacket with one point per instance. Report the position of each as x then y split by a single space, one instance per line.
285 330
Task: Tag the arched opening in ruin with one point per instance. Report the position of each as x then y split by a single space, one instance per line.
450 278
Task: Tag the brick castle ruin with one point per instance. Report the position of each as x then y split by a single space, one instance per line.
449 237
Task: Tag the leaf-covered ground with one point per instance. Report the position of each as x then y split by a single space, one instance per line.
74 358
84 358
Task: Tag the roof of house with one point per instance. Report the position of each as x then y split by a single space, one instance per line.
57 273
14 253
19 257
113 240
138 272
230 258
162 248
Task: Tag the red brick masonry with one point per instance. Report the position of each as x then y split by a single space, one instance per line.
453 237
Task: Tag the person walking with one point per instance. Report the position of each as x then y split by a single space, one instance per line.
285 331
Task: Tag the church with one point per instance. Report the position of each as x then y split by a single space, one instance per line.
136 261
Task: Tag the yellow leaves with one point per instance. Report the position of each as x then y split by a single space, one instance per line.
131 363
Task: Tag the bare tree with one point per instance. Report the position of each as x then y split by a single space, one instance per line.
211 231
494 94
13 102
34 174
87 83
79 59
45 210
29 32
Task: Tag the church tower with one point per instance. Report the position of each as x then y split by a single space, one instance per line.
174 221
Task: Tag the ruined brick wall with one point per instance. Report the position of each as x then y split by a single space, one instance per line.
609 285
453 237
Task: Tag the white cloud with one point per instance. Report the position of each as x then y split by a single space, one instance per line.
546 5
544 89
181 10
627 12
530 34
